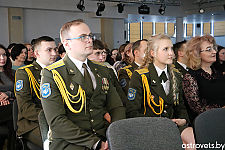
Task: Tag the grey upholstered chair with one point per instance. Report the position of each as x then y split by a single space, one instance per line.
144 133
209 127
43 125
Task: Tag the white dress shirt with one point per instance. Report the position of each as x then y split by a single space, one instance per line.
166 85
183 65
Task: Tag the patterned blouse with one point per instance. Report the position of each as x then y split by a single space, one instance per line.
194 95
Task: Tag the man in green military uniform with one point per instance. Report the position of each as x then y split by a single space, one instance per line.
179 51
125 73
27 89
74 92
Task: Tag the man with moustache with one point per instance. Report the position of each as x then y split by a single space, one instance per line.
27 89
74 92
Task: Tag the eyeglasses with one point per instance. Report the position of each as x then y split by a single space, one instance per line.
102 53
84 38
210 49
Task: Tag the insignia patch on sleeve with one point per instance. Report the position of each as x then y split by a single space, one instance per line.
45 90
19 85
123 82
131 94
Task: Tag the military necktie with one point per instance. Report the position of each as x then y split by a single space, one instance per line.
163 77
87 76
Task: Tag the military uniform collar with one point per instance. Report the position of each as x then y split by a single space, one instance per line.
134 65
183 65
159 71
78 63
36 65
40 64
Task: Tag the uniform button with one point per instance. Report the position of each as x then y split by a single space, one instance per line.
91 100
165 111
92 120
94 133
166 106
91 110
105 91
93 130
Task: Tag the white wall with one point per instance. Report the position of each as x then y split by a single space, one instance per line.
118 32
220 40
44 22
4 27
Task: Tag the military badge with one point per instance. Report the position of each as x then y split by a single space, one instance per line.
19 85
123 82
105 84
45 90
153 81
131 94
71 86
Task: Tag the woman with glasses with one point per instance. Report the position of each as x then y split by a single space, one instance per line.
203 85
30 54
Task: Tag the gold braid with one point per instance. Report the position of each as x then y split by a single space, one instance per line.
150 97
66 95
33 82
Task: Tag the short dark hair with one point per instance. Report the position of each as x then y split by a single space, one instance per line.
97 44
16 50
61 49
177 46
38 41
136 45
8 66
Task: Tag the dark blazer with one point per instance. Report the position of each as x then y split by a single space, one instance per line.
124 77
29 104
135 106
78 130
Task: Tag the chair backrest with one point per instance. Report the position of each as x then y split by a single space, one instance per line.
144 133
43 125
209 127
15 114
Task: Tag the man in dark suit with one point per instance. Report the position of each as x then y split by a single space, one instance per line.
180 50
125 73
74 92
27 89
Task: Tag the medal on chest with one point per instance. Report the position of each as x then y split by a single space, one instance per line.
105 84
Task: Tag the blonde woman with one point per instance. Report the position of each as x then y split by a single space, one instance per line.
156 88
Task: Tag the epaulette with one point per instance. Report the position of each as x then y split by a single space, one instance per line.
27 66
126 67
57 64
98 63
143 71
176 70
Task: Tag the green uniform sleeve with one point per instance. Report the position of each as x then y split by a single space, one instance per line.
59 123
27 108
135 97
124 80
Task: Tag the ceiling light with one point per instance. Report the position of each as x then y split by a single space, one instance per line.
101 7
162 9
120 7
80 5
143 9
201 10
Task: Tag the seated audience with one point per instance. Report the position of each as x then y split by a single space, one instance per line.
19 55
62 52
9 49
156 89
220 59
30 54
27 89
203 85
6 97
114 53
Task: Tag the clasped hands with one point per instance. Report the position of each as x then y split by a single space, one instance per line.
4 99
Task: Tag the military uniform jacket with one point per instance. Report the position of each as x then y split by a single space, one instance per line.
125 75
29 105
78 130
181 69
135 105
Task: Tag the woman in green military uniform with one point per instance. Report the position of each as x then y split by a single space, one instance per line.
156 88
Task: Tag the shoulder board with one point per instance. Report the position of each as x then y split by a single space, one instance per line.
143 71
126 67
176 70
57 64
27 66
173 65
98 63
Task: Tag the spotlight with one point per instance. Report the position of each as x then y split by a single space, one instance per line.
201 10
162 9
101 7
143 9
80 5
120 7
